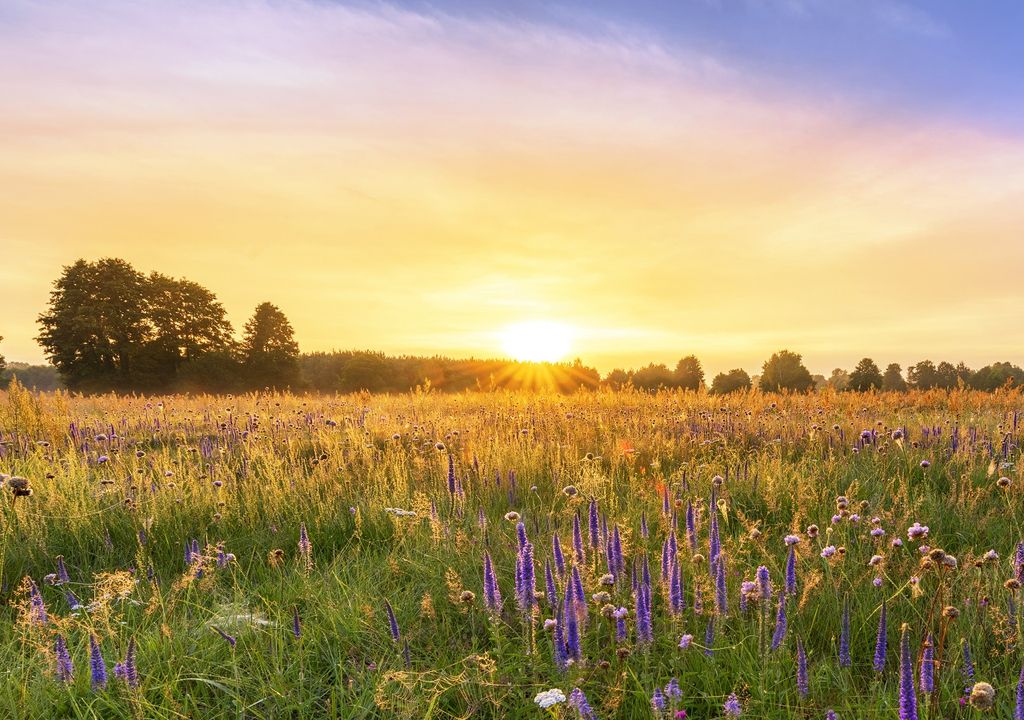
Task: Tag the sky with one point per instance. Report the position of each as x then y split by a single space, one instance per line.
719 177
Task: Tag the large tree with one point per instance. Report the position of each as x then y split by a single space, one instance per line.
923 375
96 324
269 350
785 371
689 373
187 321
653 377
893 380
732 381
866 376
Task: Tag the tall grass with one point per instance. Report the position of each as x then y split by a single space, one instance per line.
120 485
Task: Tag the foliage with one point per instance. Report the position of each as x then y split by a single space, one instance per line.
732 381
785 371
866 376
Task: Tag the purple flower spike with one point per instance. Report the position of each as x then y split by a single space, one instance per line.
908 696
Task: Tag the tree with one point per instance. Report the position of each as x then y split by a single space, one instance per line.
654 377
270 353
785 371
997 375
893 380
923 375
689 373
839 380
866 376
732 381
188 322
96 324
947 375
618 379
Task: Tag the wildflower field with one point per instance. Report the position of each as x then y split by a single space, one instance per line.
600 555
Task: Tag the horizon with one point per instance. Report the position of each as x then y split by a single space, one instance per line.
719 178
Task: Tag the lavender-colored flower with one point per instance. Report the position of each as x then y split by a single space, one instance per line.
577 539
644 631
620 615
714 539
65 668
37 606
492 594
644 531
549 586
658 703
229 639
130 666
881 641
595 536
451 474
709 637
791 571
577 591
527 579
780 623
672 690
828 551
721 596
556 551
392 621
928 665
97 666
764 583
908 696
1018 562
558 646
578 701
968 666
572 629
917 531
685 641
62 571
732 707
830 715
676 598
305 546
802 683
844 637
521 534
296 623
619 561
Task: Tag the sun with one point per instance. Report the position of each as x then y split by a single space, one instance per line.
537 341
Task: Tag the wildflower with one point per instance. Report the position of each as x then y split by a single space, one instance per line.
672 690
908 696
828 551
296 623
572 630
881 641
392 621
917 531
549 698
709 637
229 639
570 490
928 665
62 571
875 560
780 623
549 624
658 703
802 684
792 539
512 516
764 583
812 531
844 636
983 696
578 701
877 582
685 641
925 464
791 571
97 666
877 532
1018 710
732 707
65 669
1003 483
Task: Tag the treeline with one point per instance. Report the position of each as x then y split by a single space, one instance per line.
110 327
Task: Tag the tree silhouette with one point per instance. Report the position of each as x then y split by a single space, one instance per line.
270 353
893 380
785 371
866 376
732 381
689 374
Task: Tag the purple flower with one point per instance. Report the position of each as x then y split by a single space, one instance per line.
732 706
968 668
802 684
917 531
577 539
844 637
764 583
558 646
791 571
392 621
676 598
691 527
556 550
492 594
229 639
685 641
830 715
709 637
572 630
65 669
928 665
881 641
645 633
549 587
62 571
908 696
296 623
595 536
658 702
578 701
527 580
1018 710
38 607
721 597
780 623
791 539
97 666
828 551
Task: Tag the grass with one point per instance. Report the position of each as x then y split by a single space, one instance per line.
242 474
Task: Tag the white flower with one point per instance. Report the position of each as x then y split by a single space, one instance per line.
549 697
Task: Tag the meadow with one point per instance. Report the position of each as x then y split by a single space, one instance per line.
608 554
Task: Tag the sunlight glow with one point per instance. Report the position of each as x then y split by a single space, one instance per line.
537 341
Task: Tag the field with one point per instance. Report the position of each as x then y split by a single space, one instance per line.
239 557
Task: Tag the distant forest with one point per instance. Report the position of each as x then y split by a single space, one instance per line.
110 328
